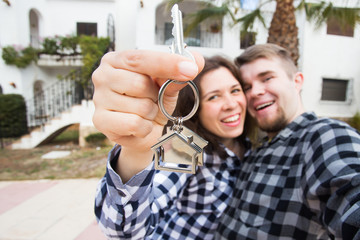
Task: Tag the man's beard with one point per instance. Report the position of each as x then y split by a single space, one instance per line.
273 125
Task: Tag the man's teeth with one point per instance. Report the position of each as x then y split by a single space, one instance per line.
264 105
232 119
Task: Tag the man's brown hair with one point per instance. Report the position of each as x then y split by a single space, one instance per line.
267 51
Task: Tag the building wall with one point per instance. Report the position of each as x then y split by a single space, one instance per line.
321 55
56 17
330 56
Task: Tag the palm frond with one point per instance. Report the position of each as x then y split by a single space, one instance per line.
7 2
249 19
210 12
170 4
321 12
302 5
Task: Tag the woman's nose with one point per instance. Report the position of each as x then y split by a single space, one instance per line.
229 102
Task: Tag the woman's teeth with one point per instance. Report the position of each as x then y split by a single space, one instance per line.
231 119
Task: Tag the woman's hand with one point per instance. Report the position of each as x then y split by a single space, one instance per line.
125 97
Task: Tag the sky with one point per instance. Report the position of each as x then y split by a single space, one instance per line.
249 4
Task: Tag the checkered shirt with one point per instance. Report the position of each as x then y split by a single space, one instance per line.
303 184
166 205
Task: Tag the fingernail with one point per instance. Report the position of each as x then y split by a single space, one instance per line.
188 69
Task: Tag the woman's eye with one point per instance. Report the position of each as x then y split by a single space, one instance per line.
236 90
212 97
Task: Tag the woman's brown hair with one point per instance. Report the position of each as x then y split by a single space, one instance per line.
186 102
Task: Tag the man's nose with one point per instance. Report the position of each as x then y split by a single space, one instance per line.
257 89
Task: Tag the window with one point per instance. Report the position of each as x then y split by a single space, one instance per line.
34 29
168 33
89 29
334 27
192 40
335 90
111 31
247 39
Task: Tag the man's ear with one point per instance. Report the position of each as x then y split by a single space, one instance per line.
299 80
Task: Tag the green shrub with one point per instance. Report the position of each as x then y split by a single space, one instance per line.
20 58
13 121
355 121
92 49
69 44
96 139
50 45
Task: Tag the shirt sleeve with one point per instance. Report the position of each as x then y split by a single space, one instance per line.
331 181
132 210
122 210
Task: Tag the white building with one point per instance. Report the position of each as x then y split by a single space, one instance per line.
327 60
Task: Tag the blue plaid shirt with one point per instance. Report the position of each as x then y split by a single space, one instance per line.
303 184
166 205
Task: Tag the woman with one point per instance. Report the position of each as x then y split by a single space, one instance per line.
170 205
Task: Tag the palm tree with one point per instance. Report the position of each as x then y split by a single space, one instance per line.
282 30
7 2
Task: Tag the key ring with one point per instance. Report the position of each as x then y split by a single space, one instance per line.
196 103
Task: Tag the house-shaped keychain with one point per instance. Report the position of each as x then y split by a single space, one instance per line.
179 151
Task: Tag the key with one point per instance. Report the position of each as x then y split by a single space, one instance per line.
180 149
178 46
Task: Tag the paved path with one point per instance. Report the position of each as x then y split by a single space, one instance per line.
48 210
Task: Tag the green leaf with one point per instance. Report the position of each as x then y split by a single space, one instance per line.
210 12
249 19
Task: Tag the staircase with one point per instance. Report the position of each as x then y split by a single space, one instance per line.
81 114
54 109
57 107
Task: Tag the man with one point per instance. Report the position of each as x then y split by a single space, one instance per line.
304 181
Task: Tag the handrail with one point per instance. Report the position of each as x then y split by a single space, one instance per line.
53 100
58 97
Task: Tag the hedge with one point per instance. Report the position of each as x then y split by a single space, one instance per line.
13 121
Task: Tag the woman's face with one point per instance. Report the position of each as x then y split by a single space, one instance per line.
223 104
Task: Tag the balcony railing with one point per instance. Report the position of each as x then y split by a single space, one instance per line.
46 60
204 39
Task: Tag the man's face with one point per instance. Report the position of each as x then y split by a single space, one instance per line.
272 96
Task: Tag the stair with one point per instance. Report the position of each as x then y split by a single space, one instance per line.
81 114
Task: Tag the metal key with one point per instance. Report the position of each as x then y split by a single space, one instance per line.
178 46
180 149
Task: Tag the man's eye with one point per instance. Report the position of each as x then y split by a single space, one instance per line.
267 79
246 88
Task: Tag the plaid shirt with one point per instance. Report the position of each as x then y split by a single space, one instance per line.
166 205
303 184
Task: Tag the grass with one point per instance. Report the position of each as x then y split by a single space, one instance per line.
89 162
70 135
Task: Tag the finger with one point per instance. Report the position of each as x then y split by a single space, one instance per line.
157 65
106 78
114 102
121 124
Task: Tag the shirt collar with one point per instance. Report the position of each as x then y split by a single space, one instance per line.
301 121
